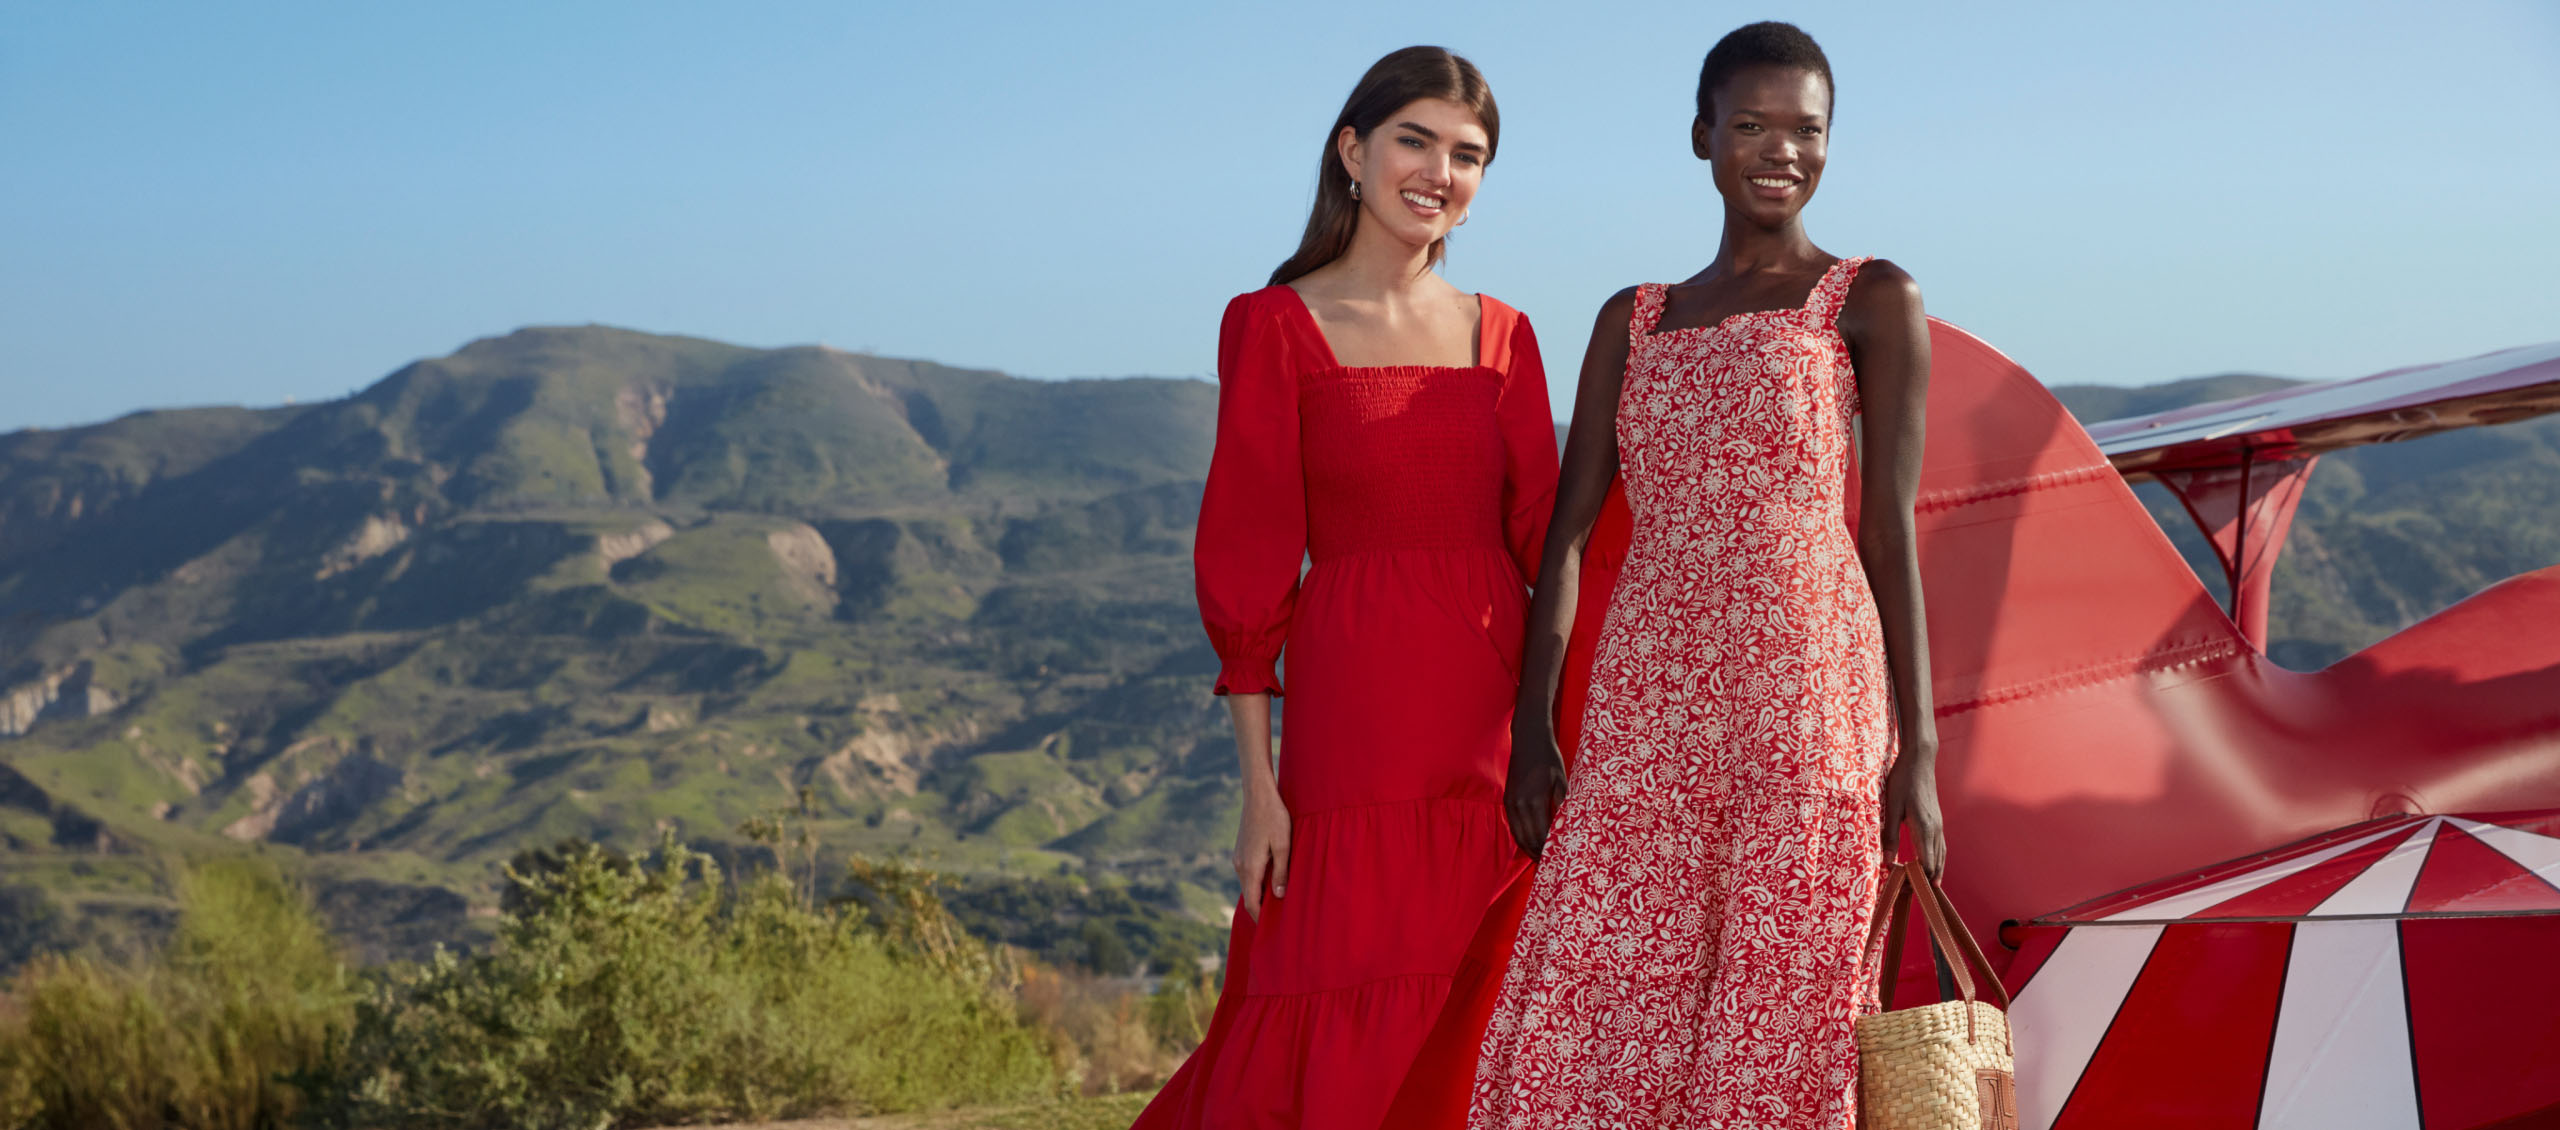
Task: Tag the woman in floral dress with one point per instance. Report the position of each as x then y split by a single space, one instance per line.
1692 954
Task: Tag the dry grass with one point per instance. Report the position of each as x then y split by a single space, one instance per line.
249 990
1115 1036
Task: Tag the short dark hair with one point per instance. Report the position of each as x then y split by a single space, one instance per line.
1768 43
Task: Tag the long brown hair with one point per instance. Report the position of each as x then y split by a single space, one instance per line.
1393 83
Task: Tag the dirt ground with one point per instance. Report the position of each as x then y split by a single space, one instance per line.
1109 1112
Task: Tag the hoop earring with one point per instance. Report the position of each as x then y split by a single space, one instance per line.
1462 220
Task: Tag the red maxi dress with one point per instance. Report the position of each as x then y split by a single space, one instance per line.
1420 495
1692 955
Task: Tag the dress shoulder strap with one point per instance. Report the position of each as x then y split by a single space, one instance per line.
1832 292
1648 312
1494 332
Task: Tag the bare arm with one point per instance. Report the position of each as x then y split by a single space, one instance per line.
1262 849
1888 334
1537 782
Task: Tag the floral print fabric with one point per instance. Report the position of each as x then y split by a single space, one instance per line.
1692 953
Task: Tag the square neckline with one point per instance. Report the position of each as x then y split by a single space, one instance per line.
1655 330
1334 361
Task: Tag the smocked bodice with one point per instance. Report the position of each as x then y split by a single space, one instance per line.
1403 458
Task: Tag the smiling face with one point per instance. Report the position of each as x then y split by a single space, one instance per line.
1767 141
1419 169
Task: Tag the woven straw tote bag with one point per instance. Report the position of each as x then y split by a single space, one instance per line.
1944 1066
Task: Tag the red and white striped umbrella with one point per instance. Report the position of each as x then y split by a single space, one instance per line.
2402 972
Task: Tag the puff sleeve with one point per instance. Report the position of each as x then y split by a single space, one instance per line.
1528 452
1253 514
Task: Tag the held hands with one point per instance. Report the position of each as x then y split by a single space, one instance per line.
1537 784
1262 848
1911 794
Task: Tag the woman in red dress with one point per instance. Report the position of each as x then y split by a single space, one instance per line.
1393 432
1693 951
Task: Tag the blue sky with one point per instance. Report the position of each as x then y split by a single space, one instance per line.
243 203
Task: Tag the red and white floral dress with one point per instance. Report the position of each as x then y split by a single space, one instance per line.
1692 952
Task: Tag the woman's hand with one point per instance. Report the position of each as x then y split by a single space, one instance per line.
1536 786
1911 794
1262 848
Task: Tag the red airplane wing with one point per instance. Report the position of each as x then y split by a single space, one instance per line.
2306 420
2239 465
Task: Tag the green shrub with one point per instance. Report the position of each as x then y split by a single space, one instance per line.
248 991
637 995
621 992
902 901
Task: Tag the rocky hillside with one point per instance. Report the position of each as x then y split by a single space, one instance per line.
583 582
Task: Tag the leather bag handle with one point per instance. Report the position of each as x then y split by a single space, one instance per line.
1891 905
1946 929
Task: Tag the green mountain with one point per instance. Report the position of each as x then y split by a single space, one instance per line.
2093 403
587 582
584 582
